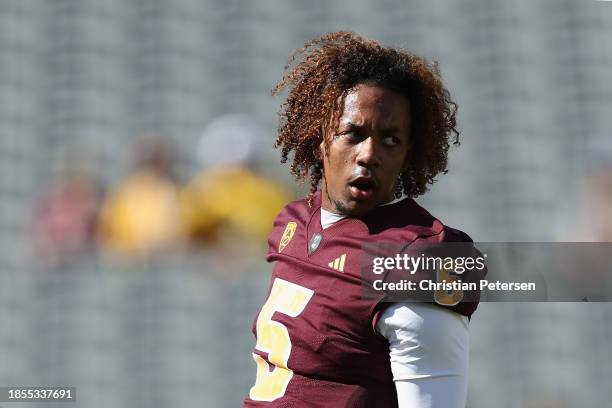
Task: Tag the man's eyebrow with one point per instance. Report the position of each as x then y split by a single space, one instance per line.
390 131
350 125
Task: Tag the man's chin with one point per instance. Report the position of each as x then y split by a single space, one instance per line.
355 208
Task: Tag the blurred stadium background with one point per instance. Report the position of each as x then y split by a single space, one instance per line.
169 325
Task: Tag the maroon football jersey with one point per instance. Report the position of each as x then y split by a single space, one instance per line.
317 345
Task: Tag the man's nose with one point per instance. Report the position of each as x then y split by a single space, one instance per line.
367 155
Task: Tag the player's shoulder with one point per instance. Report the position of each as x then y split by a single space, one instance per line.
291 221
444 232
455 235
298 211
448 233
409 216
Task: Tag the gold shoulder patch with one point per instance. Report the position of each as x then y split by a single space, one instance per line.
287 235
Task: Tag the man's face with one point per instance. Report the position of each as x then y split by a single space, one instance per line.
366 152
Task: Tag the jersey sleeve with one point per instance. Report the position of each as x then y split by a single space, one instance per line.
428 352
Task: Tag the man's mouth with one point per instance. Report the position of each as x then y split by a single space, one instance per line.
362 187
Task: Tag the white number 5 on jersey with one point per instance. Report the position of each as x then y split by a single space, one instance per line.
273 338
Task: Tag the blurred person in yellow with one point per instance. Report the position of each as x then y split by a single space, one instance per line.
142 214
230 201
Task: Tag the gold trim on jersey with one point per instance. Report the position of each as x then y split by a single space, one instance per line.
287 235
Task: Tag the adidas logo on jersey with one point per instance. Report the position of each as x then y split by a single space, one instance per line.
338 263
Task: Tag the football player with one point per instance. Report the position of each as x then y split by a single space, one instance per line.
372 126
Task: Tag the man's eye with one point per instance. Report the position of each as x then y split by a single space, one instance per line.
349 134
391 140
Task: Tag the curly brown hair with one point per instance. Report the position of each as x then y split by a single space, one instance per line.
321 73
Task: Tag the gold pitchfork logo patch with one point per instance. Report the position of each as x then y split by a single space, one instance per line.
287 235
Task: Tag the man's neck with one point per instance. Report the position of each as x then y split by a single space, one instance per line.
329 218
